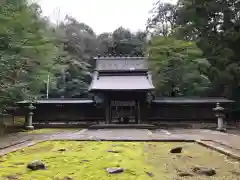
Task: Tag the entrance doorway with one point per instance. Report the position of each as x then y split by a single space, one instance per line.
123 112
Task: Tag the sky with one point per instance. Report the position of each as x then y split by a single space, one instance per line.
101 15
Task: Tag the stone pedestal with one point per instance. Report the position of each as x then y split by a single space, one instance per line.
220 117
28 121
29 125
220 124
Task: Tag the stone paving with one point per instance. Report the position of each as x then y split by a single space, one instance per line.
11 139
228 140
16 138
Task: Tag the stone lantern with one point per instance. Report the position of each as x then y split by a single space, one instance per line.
29 125
219 113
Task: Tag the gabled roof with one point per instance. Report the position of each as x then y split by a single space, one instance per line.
121 73
126 63
117 82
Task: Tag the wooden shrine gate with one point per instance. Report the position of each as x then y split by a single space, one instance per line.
123 112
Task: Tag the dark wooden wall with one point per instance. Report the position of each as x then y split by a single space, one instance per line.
154 112
68 113
181 112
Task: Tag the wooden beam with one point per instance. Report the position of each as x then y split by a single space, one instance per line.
107 114
139 113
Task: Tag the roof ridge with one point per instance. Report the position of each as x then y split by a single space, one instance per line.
120 57
118 63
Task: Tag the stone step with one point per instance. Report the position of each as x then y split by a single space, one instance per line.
123 126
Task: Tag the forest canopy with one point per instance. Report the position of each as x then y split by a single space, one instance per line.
192 48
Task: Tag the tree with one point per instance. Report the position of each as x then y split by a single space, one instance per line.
78 44
178 65
215 26
106 43
163 19
26 52
122 42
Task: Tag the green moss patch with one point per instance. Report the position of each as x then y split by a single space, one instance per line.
48 131
140 161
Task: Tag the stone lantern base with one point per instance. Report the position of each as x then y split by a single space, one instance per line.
220 124
30 127
222 129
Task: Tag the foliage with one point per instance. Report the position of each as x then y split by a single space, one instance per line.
198 55
123 42
163 19
177 64
77 43
215 27
26 51
34 52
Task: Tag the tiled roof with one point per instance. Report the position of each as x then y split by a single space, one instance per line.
59 101
122 83
121 63
192 100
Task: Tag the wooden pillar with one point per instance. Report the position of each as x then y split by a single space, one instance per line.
136 112
107 114
139 112
143 112
110 113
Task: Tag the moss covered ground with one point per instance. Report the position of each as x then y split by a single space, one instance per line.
88 160
49 130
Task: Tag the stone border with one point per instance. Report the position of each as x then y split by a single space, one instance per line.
127 140
14 144
219 149
227 145
22 147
